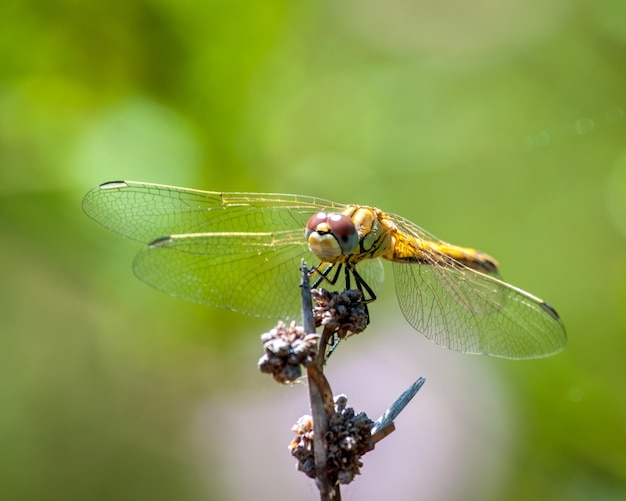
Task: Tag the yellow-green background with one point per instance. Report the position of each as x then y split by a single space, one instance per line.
498 125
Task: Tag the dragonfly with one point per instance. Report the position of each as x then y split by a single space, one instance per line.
243 251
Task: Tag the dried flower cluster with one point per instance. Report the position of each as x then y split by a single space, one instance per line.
301 447
287 348
349 437
344 311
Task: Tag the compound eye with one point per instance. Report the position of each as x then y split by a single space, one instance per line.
315 222
342 227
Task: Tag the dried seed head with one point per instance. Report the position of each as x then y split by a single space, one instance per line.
301 447
348 438
287 348
344 311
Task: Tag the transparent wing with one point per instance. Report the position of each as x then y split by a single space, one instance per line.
253 273
145 212
240 251
472 312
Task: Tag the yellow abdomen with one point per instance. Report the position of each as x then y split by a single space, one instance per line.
407 248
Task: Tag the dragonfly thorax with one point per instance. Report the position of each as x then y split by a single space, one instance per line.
331 236
375 235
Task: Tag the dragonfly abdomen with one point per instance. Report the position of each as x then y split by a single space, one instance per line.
412 250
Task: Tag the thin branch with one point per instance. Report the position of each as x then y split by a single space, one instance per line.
385 424
320 396
308 322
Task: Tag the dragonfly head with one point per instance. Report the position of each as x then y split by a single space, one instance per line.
331 236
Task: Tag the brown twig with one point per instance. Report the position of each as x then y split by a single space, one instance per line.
320 396
329 444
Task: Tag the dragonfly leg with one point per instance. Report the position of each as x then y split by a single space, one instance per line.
363 288
334 343
366 290
324 274
347 278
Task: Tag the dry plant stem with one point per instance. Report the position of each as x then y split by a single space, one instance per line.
320 429
318 374
320 396
379 435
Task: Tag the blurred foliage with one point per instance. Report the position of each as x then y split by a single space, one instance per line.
496 125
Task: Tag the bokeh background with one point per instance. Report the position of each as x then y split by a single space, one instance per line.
497 125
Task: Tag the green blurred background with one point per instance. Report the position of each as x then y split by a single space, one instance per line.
497 125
